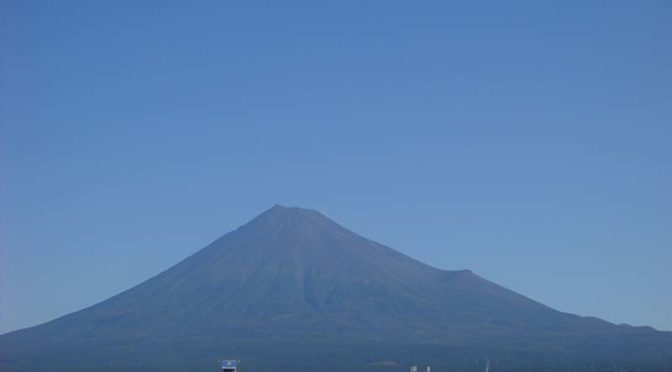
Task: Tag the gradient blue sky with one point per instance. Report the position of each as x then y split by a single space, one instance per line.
529 141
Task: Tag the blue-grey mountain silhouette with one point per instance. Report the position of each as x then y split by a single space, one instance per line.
293 291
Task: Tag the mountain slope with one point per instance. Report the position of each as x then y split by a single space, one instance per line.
292 284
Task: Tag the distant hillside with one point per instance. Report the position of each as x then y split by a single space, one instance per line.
293 291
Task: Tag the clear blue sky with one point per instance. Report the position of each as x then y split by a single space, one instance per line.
529 141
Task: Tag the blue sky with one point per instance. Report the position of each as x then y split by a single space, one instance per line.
528 140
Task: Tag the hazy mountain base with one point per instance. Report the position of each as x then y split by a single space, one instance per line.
203 354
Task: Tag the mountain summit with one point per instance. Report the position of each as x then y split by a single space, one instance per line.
293 290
